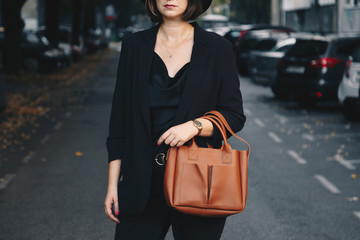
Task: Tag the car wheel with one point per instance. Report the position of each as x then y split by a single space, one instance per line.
307 102
32 65
350 110
278 94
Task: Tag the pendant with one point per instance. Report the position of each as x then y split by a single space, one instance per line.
170 56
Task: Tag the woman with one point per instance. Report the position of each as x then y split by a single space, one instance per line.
168 76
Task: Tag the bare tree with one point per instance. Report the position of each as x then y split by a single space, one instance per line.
52 21
12 57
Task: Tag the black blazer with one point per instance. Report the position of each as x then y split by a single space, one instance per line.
212 84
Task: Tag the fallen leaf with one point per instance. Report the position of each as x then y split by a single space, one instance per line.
353 199
305 146
353 176
78 154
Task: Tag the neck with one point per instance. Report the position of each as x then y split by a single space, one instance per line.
173 30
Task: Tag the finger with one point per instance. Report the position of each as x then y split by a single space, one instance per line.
109 213
180 143
116 207
174 142
170 139
163 137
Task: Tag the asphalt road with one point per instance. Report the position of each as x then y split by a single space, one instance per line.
304 173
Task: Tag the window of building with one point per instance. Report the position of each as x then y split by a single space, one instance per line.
352 3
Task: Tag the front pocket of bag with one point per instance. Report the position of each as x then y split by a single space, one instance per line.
222 191
194 185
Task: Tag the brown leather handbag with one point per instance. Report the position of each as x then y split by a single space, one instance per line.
206 181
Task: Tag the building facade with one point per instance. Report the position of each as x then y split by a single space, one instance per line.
320 16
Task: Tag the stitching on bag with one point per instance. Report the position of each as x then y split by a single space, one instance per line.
227 158
193 155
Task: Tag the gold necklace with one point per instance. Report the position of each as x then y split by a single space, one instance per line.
167 49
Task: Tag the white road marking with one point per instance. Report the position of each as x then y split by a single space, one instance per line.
259 122
308 137
295 156
274 137
327 184
247 112
357 214
337 135
347 164
354 161
58 125
6 180
28 157
68 114
45 139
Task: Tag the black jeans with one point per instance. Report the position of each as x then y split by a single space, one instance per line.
154 223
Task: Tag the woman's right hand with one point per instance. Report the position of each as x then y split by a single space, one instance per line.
112 199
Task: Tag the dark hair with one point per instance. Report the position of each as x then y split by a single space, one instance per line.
193 10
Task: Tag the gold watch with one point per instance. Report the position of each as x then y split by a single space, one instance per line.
198 125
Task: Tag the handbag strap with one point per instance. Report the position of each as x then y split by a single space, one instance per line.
220 118
220 126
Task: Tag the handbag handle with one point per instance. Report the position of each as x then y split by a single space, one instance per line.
221 128
218 116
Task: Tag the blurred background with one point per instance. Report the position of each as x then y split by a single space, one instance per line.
299 68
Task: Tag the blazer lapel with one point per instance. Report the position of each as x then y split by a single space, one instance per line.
146 53
194 80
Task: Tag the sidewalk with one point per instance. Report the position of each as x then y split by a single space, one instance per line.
53 184
33 100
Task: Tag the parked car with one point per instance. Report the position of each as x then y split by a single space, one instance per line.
95 40
264 64
349 88
39 55
216 23
235 33
312 69
78 50
62 47
261 40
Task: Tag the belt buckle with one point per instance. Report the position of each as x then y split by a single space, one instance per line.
162 155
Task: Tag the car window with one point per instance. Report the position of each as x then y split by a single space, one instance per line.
308 48
356 54
248 44
235 34
31 38
283 48
345 48
265 45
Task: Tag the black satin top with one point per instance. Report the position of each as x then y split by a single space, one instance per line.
164 98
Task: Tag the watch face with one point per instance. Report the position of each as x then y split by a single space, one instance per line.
198 124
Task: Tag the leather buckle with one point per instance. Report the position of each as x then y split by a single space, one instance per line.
162 157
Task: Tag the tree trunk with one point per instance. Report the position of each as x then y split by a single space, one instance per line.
52 21
12 57
89 19
77 10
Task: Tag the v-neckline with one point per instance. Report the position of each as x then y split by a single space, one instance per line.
167 72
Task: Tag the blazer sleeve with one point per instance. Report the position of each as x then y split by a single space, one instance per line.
230 103
115 139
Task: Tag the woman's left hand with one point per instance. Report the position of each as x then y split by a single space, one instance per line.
179 134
